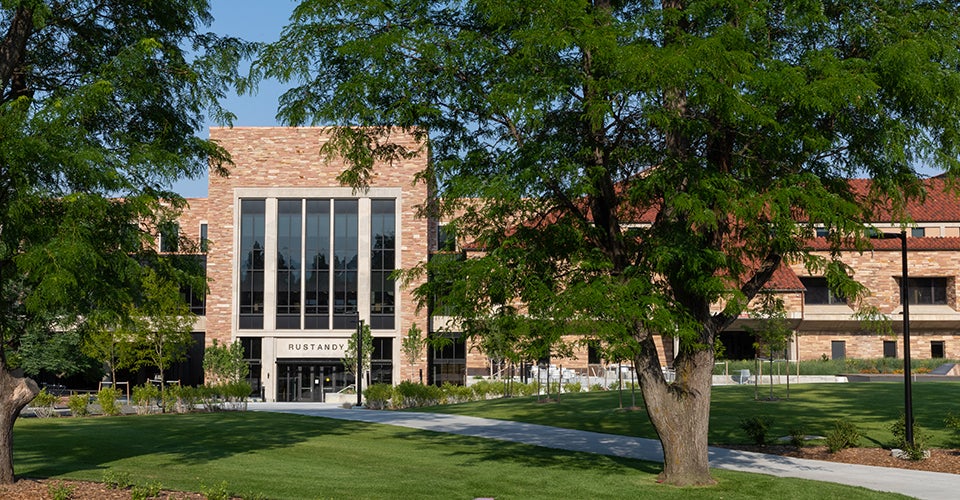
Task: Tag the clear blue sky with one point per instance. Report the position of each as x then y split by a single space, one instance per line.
253 20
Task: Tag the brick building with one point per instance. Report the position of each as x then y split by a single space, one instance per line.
826 326
294 260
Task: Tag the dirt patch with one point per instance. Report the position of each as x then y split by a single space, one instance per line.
36 489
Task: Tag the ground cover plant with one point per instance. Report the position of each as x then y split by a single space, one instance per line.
871 407
265 455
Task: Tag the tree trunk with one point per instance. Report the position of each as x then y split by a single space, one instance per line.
16 391
13 46
680 412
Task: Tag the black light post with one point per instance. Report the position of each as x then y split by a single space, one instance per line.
359 362
907 382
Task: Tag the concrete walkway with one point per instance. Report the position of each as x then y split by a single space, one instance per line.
918 484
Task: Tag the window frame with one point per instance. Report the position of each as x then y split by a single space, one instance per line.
926 290
818 285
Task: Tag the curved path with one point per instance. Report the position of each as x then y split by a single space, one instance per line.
918 484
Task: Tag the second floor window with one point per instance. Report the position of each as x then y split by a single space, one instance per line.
927 291
169 237
819 293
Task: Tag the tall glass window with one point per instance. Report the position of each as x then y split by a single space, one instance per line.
382 263
252 213
345 256
204 241
381 361
252 349
317 263
289 226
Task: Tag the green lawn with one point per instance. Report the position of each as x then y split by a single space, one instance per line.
262 455
873 407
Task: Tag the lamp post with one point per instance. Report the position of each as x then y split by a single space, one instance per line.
907 382
360 362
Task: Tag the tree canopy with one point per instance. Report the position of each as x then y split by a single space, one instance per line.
100 103
632 165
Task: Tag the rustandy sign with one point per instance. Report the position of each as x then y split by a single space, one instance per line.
311 348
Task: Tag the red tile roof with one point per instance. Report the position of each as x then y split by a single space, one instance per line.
784 280
941 203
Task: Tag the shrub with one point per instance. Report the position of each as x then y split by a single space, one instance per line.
572 387
144 397
453 394
757 428
145 491
43 404
843 435
952 422
60 491
187 398
78 405
117 480
168 398
215 492
597 387
486 389
528 389
915 451
412 395
378 396
211 398
478 389
798 437
107 398
237 393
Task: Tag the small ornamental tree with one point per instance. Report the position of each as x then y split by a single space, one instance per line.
110 342
772 331
412 345
349 359
162 324
224 363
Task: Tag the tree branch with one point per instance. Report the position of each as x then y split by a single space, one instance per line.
14 46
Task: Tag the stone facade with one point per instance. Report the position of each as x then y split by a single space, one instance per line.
276 163
279 163
934 327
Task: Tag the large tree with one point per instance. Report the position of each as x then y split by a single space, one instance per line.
637 168
100 101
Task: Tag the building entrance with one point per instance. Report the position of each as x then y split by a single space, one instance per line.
305 381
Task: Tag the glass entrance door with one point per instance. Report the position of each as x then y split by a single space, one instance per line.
310 381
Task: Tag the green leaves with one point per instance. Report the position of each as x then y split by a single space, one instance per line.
632 162
224 363
350 355
97 120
